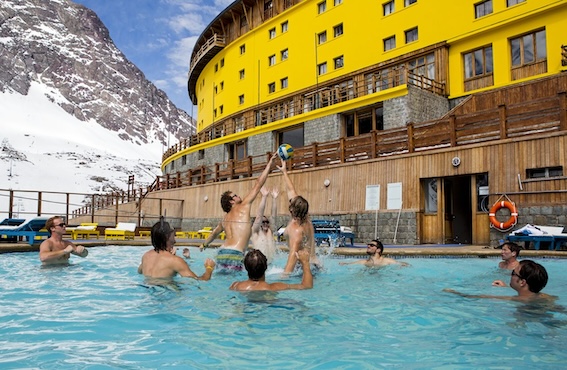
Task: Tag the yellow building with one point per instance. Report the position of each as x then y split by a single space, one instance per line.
314 71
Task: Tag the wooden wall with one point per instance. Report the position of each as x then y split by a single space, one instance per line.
503 160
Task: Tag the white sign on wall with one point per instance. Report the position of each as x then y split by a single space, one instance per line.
394 195
372 197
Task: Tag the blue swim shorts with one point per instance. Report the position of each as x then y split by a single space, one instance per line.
229 260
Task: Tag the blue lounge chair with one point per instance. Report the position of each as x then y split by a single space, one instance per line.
12 222
29 229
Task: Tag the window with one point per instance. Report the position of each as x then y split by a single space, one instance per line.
409 2
272 33
272 60
510 3
483 8
293 137
216 67
268 8
237 151
222 85
184 160
241 99
322 37
284 26
201 154
216 89
339 62
221 109
338 2
271 87
242 49
430 193
222 62
411 35
338 30
478 62
284 54
215 113
321 7
528 48
364 121
322 68
389 43
241 74
388 7
546 172
283 83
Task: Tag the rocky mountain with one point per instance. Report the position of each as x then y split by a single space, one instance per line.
67 48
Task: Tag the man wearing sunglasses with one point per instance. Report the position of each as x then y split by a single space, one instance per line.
55 250
262 229
374 250
527 279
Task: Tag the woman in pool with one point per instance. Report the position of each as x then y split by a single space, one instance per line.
299 231
161 262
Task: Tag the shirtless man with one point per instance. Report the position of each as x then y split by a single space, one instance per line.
161 262
375 249
256 265
528 278
510 253
263 228
55 250
299 231
236 225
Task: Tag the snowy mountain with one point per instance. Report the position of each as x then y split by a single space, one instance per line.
76 115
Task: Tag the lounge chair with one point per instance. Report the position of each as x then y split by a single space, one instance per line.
122 231
29 229
205 232
85 230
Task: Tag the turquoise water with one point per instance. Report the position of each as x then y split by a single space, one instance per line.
98 313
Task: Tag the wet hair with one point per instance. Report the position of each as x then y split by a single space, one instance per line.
513 248
256 264
299 207
225 201
534 274
379 245
50 222
160 234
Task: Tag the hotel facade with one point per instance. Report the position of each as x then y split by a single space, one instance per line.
410 119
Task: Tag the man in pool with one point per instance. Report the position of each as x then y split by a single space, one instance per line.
528 278
236 225
374 250
262 237
55 250
510 253
299 231
161 262
256 265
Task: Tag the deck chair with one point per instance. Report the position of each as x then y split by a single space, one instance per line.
122 231
30 229
85 230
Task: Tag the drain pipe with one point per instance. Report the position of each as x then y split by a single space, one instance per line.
397 223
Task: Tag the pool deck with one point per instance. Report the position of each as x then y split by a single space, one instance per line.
396 251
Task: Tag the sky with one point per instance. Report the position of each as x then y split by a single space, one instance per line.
158 37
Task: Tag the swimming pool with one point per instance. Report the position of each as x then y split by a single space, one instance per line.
99 313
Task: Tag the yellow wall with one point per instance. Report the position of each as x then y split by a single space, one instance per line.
365 28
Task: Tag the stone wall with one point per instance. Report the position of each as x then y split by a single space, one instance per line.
322 129
363 226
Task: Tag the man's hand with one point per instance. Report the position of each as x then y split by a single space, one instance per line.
275 193
69 249
498 283
264 191
202 247
79 249
209 263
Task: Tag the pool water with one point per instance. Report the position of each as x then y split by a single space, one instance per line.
98 313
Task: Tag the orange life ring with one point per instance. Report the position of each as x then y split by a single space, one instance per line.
513 215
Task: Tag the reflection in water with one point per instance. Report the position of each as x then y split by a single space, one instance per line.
542 312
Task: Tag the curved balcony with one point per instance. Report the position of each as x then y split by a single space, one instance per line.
203 56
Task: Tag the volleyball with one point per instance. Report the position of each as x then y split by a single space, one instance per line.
285 151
